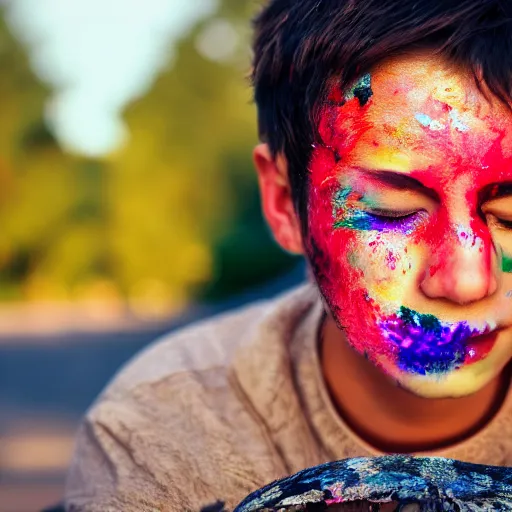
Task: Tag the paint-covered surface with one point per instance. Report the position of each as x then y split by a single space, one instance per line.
410 208
433 483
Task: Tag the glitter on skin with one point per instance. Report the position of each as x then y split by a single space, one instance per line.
364 221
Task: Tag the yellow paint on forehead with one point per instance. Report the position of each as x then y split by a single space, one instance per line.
445 86
387 158
407 87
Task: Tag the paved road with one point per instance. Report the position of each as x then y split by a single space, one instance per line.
47 384
65 373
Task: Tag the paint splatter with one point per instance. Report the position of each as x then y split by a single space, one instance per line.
425 345
468 239
433 483
430 123
362 90
353 247
435 125
456 121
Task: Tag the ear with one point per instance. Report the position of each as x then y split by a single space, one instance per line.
277 199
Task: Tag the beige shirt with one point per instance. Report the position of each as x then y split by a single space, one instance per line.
220 409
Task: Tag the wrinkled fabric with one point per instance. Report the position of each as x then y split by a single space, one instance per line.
431 483
216 411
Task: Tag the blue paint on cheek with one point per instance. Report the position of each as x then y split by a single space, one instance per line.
423 119
358 221
424 345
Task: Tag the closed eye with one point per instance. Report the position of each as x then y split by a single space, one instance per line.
507 224
381 220
498 222
391 216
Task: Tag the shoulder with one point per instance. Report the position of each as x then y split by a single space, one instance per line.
178 413
210 344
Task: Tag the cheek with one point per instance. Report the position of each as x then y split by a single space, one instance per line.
362 275
389 263
332 251
332 257
378 264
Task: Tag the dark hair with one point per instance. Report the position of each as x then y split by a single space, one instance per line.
301 46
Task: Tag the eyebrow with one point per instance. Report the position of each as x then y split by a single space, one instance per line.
401 181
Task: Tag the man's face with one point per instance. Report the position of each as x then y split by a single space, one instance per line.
410 224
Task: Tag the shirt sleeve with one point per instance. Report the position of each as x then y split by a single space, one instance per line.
180 444
110 470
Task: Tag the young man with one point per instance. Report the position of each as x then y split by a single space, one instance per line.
386 159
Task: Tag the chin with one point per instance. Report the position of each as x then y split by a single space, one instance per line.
459 383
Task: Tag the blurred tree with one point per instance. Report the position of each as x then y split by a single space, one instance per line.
184 187
49 236
173 216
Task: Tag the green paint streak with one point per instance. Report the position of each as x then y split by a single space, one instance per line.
507 264
428 323
355 222
339 200
361 88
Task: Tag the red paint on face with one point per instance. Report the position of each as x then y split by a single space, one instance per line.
456 164
330 249
442 238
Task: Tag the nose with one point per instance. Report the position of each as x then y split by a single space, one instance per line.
461 272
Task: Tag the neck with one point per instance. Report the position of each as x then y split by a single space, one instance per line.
391 418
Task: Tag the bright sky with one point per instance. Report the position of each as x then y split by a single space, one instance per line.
98 55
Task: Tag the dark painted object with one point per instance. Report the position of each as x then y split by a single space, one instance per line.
435 484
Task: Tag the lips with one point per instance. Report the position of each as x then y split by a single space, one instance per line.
478 347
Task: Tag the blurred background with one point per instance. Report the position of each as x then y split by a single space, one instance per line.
128 204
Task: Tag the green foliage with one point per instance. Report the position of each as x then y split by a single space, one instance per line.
172 216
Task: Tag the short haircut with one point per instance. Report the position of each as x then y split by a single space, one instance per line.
302 46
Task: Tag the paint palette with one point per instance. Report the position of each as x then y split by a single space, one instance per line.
387 484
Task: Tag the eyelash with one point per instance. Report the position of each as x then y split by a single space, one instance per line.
391 216
507 224
492 219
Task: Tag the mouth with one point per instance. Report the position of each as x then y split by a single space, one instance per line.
425 345
479 346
